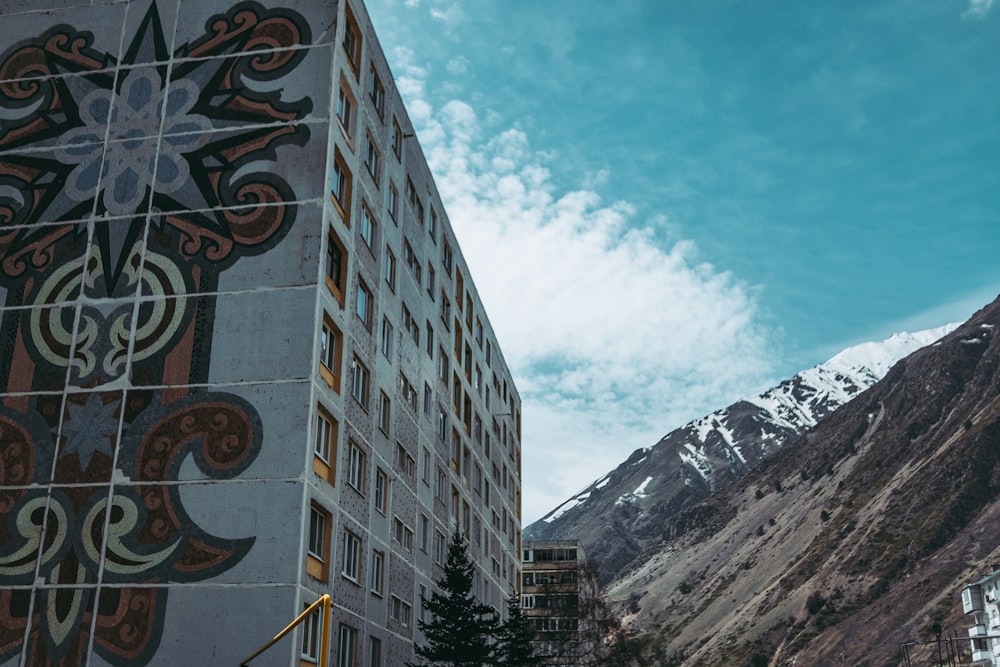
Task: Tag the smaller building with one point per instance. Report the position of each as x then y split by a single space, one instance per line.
557 587
981 603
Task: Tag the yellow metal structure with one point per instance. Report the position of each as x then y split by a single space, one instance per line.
324 655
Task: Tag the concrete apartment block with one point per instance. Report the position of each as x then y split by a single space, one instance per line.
243 362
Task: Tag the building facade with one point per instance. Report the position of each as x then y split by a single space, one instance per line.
557 589
243 362
981 604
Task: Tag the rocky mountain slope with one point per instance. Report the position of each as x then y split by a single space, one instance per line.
623 513
850 540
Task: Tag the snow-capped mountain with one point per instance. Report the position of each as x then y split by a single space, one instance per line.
624 512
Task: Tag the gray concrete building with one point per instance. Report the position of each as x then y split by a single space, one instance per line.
243 362
558 591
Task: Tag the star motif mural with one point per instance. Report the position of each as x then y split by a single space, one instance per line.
126 187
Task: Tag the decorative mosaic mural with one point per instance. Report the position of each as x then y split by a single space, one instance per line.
127 184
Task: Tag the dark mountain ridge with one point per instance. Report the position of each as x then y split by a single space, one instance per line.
853 538
620 515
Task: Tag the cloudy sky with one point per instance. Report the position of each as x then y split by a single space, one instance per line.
670 205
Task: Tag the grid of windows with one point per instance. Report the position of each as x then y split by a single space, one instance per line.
363 110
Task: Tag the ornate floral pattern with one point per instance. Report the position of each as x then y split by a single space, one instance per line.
119 179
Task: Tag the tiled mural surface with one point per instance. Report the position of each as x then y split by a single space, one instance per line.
160 163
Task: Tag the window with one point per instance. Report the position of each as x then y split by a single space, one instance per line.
440 548
390 268
326 434
336 266
348 650
423 606
408 391
410 325
318 547
352 556
425 472
359 382
430 340
425 530
375 652
527 602
414 199
442 422
378 573
428 400
330 349
381 490
367 228
364 305
432 228
393 201
430 279
372 157
345 110
377 92
441 485
311 636
445 310
479 332
352 44
384 412
387 338
356 468
402 534
401 612
447 257
397 139
340 189
405 462
412 262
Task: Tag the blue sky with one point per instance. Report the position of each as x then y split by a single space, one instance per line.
670 205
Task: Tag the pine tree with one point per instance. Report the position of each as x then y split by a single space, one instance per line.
514 638
461 630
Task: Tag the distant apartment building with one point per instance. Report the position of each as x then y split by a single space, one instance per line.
243 361
556 585
981 603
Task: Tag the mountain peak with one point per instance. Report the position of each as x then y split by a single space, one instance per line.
622 513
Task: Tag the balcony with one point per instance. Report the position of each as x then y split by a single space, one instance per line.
978 631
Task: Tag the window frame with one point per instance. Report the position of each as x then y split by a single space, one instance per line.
360 383
342 189
364 306
347 647
376 91
356 465
351 569
377 579
381 498
336 263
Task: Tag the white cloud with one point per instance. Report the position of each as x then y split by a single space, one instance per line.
613 336
978 9
458 65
